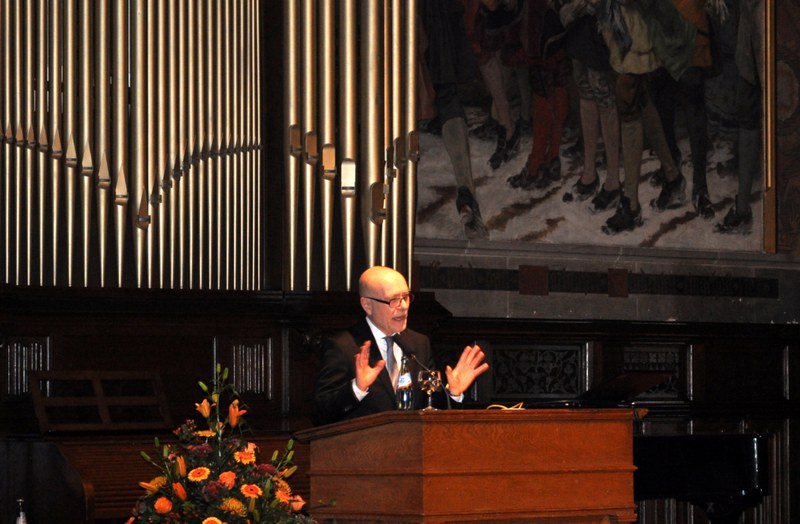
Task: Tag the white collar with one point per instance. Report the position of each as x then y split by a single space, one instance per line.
379 336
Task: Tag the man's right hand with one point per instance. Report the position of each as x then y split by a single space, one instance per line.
366 374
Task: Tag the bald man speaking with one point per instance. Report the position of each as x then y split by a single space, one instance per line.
354 380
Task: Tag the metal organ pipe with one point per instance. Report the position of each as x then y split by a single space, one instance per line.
132 142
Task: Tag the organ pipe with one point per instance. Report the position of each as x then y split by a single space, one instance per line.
132 150
86 71
348 114
411 136
54 125
292 136
327 129
30 141
372 186
70 128
308 96
8 146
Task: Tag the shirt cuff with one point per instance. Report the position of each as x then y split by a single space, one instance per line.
459 398
360 394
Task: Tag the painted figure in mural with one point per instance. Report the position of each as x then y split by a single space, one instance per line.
643 35
488 23
448 61
750 66
541 46
690 86
594 80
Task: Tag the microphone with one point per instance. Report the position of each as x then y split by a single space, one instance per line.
403 345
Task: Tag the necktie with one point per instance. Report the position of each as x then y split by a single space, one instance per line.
391 363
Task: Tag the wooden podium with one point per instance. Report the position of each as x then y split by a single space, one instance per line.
543 465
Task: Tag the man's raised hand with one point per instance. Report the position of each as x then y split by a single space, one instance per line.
470 365
366 374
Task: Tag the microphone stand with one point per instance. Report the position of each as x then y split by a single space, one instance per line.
400 341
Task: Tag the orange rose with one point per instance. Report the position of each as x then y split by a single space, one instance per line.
163 505
234 413
199 474
179 490
227 478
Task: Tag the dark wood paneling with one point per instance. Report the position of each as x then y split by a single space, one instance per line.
728 377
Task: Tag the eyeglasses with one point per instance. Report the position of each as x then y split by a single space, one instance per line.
395 302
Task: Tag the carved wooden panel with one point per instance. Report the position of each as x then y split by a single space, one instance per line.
538 372
659 358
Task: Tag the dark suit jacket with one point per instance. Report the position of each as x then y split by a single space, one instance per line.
334 399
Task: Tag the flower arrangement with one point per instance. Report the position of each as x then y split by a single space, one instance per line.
213 475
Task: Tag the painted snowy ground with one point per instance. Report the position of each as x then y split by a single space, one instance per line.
543 216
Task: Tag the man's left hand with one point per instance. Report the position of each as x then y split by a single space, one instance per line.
470 365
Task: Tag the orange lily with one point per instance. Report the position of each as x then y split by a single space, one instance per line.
234 413
154 485
179 490
297 503
204 408
181 465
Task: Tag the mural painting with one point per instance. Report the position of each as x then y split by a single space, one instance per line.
599 122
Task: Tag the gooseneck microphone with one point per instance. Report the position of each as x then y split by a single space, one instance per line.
407 351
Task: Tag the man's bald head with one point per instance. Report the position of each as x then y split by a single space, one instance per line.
374 278
377 286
